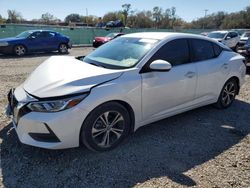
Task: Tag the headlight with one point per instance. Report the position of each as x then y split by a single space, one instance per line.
4 43
55 105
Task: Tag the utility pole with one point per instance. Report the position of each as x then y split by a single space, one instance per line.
87 17
206 10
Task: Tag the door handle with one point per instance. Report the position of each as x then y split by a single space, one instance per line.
190 74
225 65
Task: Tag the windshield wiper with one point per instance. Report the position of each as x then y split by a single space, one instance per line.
97 65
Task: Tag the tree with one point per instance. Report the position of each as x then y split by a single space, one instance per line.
14 16
72 18
90 20
110 16
173 16
125 11
48 18
2 20
157 15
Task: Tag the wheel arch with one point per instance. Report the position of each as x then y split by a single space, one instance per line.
237 81
124 104
14 45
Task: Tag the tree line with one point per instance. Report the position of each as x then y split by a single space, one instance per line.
155 18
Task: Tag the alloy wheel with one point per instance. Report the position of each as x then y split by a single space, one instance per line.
20 50
229 93
108 128
63 48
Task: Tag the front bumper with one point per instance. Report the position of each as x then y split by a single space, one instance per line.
6 49
57 130
97 43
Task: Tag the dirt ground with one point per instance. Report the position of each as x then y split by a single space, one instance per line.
205 147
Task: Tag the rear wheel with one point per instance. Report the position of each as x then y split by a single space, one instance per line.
228 94
106 127
63 48
19 50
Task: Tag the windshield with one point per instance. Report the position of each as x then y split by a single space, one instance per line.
24 34
120 53
111 35
246 35
217 35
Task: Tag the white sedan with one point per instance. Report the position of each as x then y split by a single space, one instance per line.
136 79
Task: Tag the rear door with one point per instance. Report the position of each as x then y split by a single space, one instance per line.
165 92
50 41
211 69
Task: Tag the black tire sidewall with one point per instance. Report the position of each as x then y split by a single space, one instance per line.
219 103
59 49
86 135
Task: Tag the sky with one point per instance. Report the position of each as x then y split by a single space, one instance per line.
186 9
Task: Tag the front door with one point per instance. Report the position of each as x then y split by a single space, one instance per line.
165 92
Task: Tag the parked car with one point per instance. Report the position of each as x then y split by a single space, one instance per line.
245 50
139 78
243 39
35 41
116 23
98 41
228 38
204 33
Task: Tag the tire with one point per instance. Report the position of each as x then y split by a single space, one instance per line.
236 48
63 48
100 132
19 50
228 94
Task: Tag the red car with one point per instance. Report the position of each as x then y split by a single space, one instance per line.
98 41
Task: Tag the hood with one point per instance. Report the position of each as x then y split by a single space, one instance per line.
103 39
10 39
64 75
218 39
243 38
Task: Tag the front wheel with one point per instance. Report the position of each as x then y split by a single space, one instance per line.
63 48
19 50
106 127
228 94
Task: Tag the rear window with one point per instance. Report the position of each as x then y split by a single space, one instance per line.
202 50
217 50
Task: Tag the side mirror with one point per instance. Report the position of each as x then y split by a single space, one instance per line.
160 65
227 38
32 37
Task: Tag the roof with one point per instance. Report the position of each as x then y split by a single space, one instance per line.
162 35
222 31
35 30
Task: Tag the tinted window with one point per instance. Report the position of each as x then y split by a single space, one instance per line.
37 34
217 50
175 52
49 34
232 34
202 50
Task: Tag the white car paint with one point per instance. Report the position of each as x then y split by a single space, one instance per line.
226 40
152 96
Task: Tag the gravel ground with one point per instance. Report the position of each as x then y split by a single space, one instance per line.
205 147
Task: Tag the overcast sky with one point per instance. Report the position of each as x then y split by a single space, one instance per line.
186 9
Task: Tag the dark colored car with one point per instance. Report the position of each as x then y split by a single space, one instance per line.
116 23
98 41
243 39
35 41
245 50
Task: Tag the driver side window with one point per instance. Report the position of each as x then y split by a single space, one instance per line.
36 34
175 52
